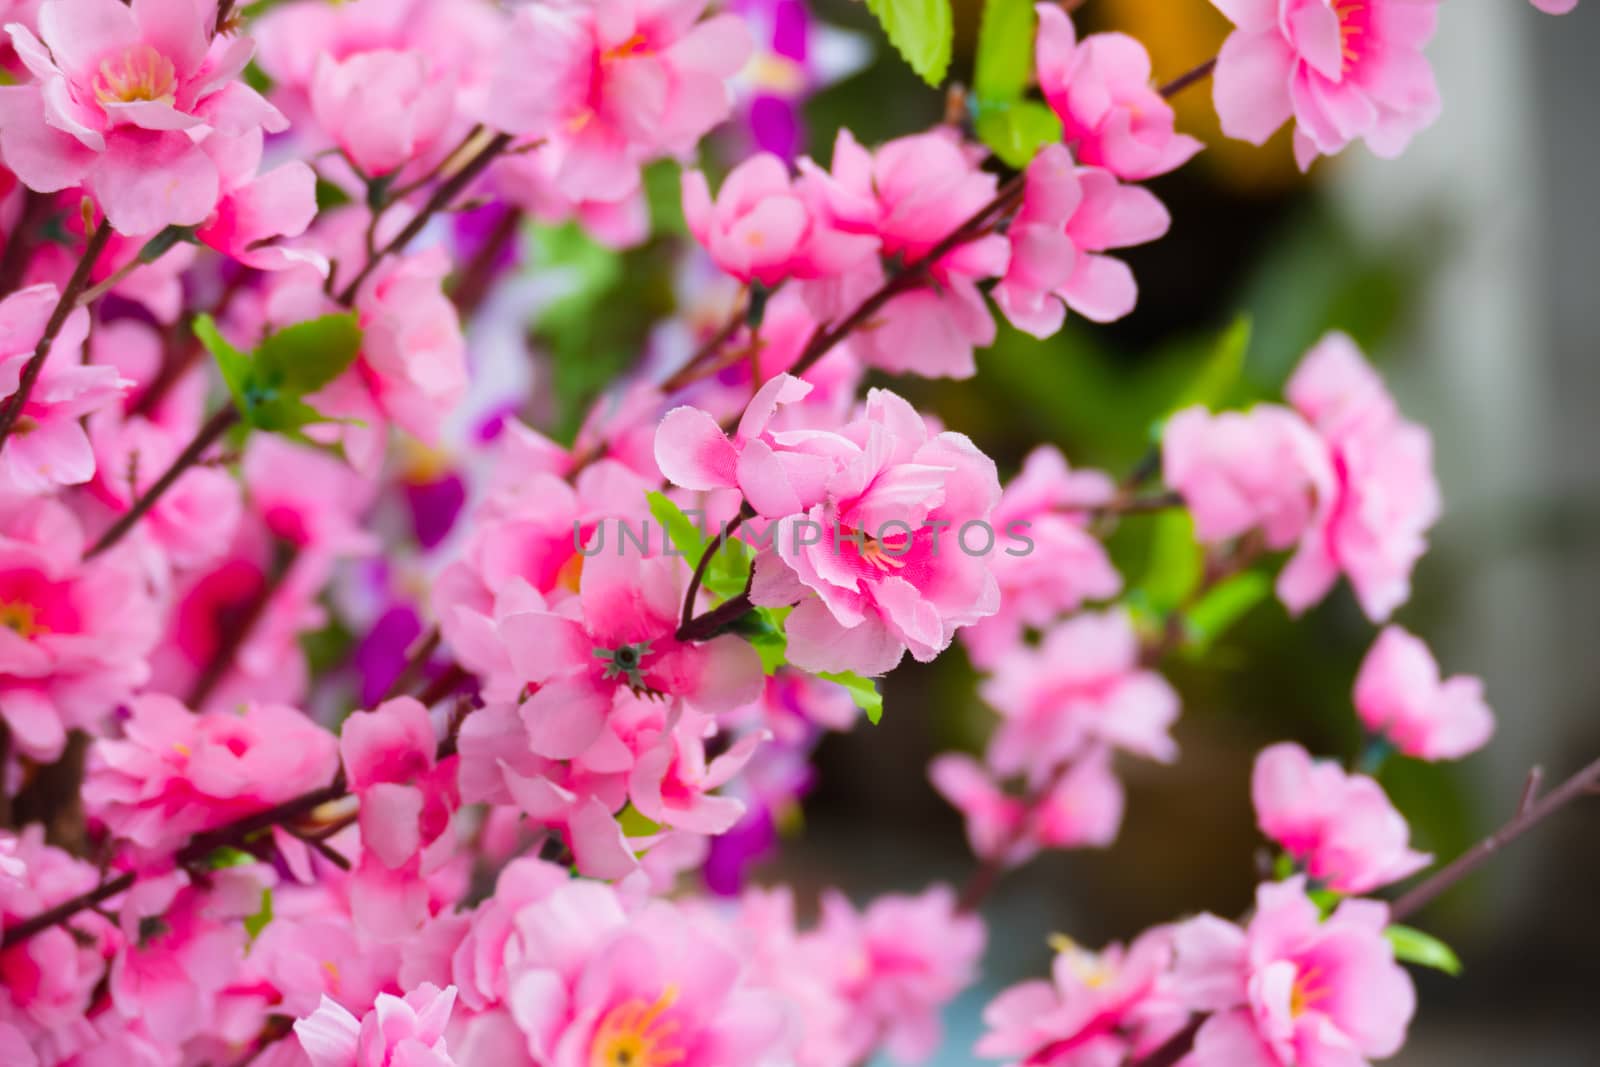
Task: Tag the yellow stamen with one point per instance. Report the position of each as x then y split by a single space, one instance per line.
634 1034
23 619
141 73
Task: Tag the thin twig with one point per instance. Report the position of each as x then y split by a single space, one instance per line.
416 663
1530 790
20 241
476 279
692 370
1188 78
58 318
704 564
234 635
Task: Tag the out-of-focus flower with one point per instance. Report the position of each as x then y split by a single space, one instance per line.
1401 698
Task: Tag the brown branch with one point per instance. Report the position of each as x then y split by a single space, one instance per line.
704 564
1188 78
58 318
237 632
473 286
20 241
694 369
416 663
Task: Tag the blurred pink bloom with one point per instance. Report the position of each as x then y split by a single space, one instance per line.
1555 7
1080 808
1341 70
74 635
1100 87
175 773
672 781
407 800
1098 1008
1401 697
901 962
596 984
1372 527
877 579
384 108
911 194
125 97
397 1032
1237 471
48 446
613 84
306 497
1081 687
1293 988
1052 563
1339 827
759 228
1070 215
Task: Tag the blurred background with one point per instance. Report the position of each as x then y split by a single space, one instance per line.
1467 270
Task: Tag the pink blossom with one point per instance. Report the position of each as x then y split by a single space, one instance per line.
1110 113
407 801
307 498
620 638
175 773
254 209
1082 686
1293 988
1050 562
761 229
1098 1008
911 194
1070 216
671 782
76 634
903 960
596 984
865 565
1342 71
1372 527
398 1032
1401 697
48 446
1339 827
1080 808
384 108
1555 7
613 84
412 369
1259 469
125 98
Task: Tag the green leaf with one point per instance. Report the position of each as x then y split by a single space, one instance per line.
235 366
1425 950
685 536
763 628
636 824
1220 373
163 242
254 924
922 31
1223 606
1016 131
224 856
305 357
1005 51
663 182
864 691
1176 564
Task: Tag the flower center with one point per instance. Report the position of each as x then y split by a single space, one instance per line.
625 661
634 1034
22 618
633 46
140 73
1353 24
881 558
1307 992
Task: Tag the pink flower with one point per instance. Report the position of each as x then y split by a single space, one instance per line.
597 985
1080 808
307 498
1341 70
1400 697
1555 7
1081 687
407 801
619 637
895 556
1293 988
902 961
175 773
1069 216
672 780
1099 1008
613 84
253 209
1372 526
1259 469
397 1032
1111 115
1052 563
125 98
48 446
761 229
384 108
75 634
1339 827
911 194
412 369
